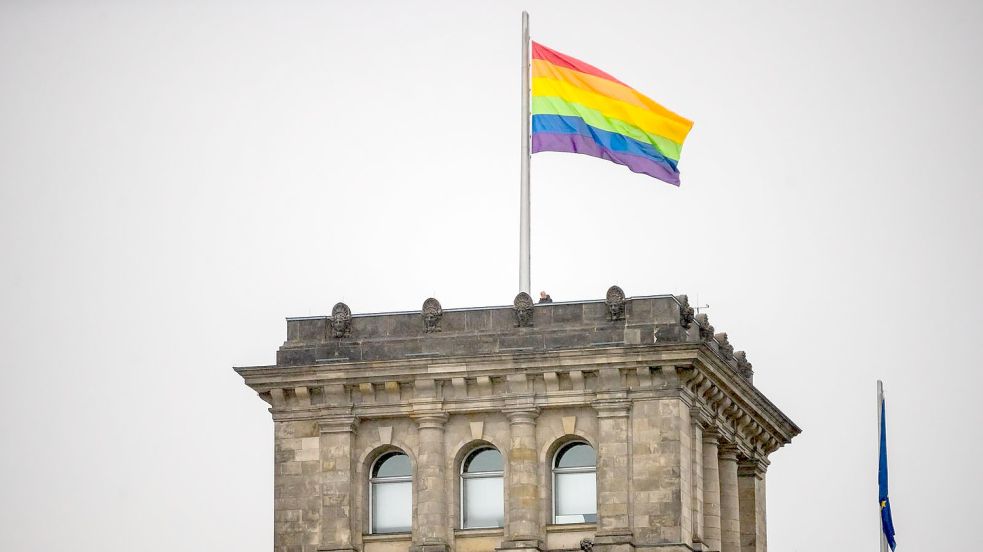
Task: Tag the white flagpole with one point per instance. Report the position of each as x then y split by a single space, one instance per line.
880 424
524 183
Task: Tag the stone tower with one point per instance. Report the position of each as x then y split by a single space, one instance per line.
611 425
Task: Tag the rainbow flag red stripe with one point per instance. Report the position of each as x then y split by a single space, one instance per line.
578 108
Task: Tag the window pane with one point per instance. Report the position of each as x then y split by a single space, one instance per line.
487 460
576 497
392 507
393 464
484 502
579 455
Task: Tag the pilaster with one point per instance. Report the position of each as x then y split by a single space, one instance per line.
711 490
698 421
730 524
660 465
613 476
429 488
751 488
337 435
522 532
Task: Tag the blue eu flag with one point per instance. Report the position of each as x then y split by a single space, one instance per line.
887 526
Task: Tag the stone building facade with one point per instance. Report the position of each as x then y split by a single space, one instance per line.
613 425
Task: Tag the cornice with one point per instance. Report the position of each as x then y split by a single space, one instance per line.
689 371
620 357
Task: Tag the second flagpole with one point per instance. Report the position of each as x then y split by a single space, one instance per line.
524 255
880 428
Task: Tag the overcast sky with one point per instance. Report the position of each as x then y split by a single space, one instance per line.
176 178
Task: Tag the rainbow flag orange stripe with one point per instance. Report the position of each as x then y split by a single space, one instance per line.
578 108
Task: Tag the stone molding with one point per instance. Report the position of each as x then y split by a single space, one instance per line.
339 424
430 420
521 415
753 467
715 393
729 451
711 436
612 408
734 415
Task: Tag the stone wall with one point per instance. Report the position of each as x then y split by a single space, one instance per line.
682 436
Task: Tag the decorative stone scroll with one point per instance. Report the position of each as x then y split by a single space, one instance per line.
523 310
341 321
726 349
706 330
431 315
685 311
587 545
615 300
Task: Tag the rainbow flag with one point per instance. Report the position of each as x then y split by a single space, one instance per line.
577 108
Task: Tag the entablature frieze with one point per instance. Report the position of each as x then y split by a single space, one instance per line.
608 380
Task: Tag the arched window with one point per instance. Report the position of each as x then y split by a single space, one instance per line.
391 494
482 498
575 484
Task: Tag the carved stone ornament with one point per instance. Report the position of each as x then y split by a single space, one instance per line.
743 366
726 349
587 545
431 315
685 311
615 300
706 330
341 321
523 310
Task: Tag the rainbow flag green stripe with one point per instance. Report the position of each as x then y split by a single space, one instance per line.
552 105
578 108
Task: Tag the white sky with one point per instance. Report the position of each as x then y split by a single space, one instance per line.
176 178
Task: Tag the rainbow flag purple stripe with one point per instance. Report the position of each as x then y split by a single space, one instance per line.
577 108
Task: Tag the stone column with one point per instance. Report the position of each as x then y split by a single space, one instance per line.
711 491
751 488
698 420
337 437
730 517
429 489
523 528
613 522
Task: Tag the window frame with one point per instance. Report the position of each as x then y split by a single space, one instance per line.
373 481
462 476
554 470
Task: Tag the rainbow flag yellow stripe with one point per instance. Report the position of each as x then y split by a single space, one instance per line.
578 108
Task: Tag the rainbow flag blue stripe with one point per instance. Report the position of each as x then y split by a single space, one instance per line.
577 108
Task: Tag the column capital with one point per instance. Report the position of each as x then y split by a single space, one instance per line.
756 466
612 408
711 435
430 420
338 424
728 451
521 415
